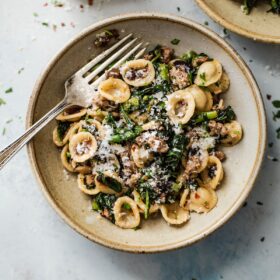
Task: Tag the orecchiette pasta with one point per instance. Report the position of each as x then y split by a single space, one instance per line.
213 174
209 73
107 188
115 90
184 201
72 115
87 185
220 86
200 98
149 140
138 72
71 165
124 217
140 155
233 133
82 146
141 205
180 106
174 214
202 200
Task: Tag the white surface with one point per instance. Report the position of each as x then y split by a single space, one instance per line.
36 244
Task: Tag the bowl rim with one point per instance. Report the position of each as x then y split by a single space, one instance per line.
254 172
235 28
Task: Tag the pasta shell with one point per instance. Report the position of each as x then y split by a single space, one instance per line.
82 146
71 165
199 96
126 218
141 205
184 199
138 73
234 133
72 114
209 73
209 103
103 188
213 174
140 155
94 125
180 106
221 86
114 90
174 214
65 159
202 200
83 186
196 163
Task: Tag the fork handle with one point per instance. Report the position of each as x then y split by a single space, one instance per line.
14 147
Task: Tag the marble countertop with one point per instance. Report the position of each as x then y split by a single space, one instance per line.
36 244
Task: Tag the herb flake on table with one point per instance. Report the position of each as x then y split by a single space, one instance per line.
259 203
278 133
9 90
178 9
57 3
270 145
35 15
20 70
276 115
268 96
2 101
276 103
45 24
4 131
175 41
206 23
262 239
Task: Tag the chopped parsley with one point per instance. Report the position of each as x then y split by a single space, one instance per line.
278 133
20 70
45 24
276 103
175 41
202 76
2 101
9 90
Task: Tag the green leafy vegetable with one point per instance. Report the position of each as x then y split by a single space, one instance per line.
275 6
226 115
164 71
147 205
205 116
110 182
175 152
247 6
126 206
62 127
104 204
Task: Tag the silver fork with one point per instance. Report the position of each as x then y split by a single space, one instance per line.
78 88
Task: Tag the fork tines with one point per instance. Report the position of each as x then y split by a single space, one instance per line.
112 54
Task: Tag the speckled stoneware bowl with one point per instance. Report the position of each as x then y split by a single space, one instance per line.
259 25
241 167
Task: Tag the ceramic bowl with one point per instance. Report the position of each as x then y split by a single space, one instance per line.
259 25
241 167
